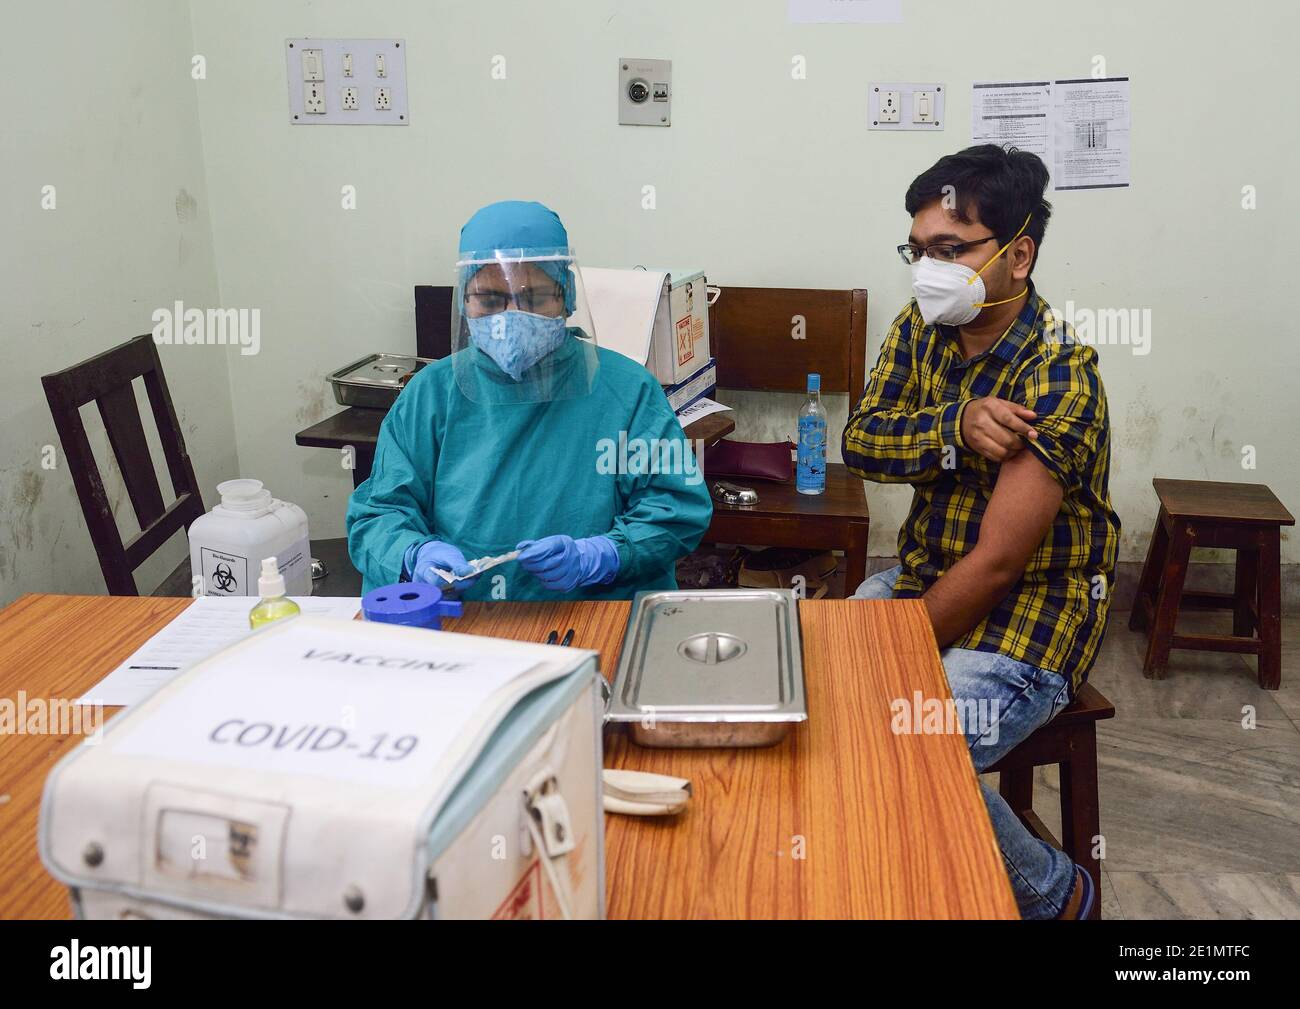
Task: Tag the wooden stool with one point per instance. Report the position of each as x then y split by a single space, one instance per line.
1070 741
1245 517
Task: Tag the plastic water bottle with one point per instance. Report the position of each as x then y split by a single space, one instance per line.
810 474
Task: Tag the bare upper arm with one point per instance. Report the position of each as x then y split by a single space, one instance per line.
1025 501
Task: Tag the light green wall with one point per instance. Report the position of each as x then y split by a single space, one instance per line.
119 140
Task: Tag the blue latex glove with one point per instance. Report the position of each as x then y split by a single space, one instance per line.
422 558
563 564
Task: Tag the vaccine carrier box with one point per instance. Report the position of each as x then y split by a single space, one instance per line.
685 327
340 769
659 318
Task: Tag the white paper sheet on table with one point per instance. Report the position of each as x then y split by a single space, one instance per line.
207 625
700 408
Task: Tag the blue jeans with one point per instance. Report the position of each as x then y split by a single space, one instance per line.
1009 699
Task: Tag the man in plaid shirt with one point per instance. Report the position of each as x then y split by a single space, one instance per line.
990 408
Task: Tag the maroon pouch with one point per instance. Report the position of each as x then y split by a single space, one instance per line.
750 460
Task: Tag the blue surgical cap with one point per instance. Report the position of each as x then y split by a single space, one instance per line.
520 224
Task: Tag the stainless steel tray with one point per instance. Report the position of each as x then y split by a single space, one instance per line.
720 667
374 380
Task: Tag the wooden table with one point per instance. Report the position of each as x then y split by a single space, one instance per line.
358 427
887 825
836 520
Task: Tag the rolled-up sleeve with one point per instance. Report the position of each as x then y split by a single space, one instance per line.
890 437
1064 389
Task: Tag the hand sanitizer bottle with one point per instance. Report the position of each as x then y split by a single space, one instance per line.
274 604
810 473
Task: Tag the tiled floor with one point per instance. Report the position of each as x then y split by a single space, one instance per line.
1199 781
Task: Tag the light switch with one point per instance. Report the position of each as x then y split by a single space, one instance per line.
381 65
347 64
923 106
313 68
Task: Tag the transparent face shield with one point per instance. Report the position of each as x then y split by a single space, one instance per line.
521 331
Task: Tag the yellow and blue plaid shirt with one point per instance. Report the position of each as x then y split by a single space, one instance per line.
907 429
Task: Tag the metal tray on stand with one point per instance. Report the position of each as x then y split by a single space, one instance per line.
375 380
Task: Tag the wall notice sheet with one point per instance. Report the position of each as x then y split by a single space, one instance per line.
1080 128
1013 114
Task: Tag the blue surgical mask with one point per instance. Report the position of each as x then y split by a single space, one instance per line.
516 340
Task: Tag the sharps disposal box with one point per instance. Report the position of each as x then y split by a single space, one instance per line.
339 769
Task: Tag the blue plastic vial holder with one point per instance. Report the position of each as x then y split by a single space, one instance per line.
412 604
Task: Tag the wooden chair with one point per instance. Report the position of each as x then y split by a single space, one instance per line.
770 339
433 321
106 379
1070 741
1244 517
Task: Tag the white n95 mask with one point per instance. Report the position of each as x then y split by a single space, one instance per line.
946 292
953 293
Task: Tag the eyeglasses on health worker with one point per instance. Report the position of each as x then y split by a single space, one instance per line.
497 446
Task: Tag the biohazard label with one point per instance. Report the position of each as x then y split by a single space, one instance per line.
224 574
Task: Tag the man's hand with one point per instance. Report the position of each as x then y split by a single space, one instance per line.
994 427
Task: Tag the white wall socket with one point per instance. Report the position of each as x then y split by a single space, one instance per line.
892 106
350 97
313 98
383 99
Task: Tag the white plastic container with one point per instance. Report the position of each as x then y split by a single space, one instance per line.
227 544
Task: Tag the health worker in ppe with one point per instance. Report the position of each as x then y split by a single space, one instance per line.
519 441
